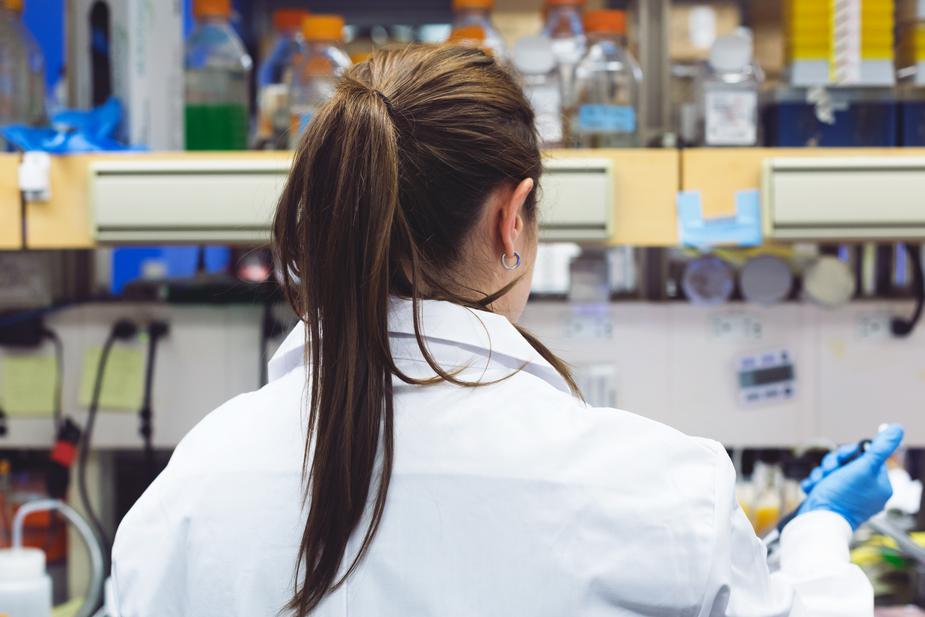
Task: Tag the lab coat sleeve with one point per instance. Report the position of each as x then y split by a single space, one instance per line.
815 579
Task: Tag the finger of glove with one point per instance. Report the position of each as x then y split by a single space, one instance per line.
884 445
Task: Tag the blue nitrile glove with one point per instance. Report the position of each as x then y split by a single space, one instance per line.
861 488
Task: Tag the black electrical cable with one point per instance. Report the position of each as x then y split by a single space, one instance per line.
52 336
156 331
121 330
900 326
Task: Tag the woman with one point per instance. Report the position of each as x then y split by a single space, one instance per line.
450 467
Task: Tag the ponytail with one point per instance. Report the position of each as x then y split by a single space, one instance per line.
344 229
387 182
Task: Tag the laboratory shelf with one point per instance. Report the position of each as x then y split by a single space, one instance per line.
10 205
816 193
603 197
591 196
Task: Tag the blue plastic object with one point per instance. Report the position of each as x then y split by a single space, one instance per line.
72 131
173 262
743 229
857 120
912 123
859 489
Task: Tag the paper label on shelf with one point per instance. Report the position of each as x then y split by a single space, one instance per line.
123 381
731 117
28 384
606 118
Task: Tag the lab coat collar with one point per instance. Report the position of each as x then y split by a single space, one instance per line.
481 332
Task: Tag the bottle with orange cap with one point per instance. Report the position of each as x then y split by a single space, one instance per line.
22 69
470 14
564 28
316 70
273 79
603 109
218 70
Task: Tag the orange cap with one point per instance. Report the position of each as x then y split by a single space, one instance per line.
565 2
13 5
288 19
467 33
361 56
212 8
473 4
323 28
605 21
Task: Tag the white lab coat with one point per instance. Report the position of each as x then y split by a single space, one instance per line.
509 499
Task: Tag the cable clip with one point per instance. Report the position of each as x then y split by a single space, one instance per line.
35 176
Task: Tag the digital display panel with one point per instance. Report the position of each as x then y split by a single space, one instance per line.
765 376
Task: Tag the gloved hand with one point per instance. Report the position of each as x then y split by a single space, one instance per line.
859 489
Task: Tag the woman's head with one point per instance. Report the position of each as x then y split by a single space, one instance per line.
450 137
419 179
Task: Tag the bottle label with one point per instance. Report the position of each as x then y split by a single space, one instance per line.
731 118
606 119
547 105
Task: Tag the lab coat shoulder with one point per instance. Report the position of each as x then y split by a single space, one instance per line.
177 534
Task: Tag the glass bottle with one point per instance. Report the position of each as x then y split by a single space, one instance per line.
535 60
316 70
218 70
468 13
607 81
563 26
273 78
22 69
728 93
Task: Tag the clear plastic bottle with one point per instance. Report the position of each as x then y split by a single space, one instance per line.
468 13
22 69
316 70
728 93
535 60
273 79
218 70
565 29
602 113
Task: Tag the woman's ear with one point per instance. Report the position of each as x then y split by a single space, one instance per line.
511 223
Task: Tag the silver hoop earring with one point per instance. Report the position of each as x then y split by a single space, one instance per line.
508 266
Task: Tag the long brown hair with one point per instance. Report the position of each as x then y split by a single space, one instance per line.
389 179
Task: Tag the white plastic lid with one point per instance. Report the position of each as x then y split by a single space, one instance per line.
732 52
829 282
21 564
534 55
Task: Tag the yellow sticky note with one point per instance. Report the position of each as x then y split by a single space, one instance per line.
123 381
28 384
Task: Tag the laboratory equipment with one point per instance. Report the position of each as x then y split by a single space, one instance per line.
467 13
708 281
602 113
217 74
766 508
315 73
565 29
910 62
839 89
829 282
469 36
22 69
768 377
766 280
25 589
728 93
534 57
273 79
